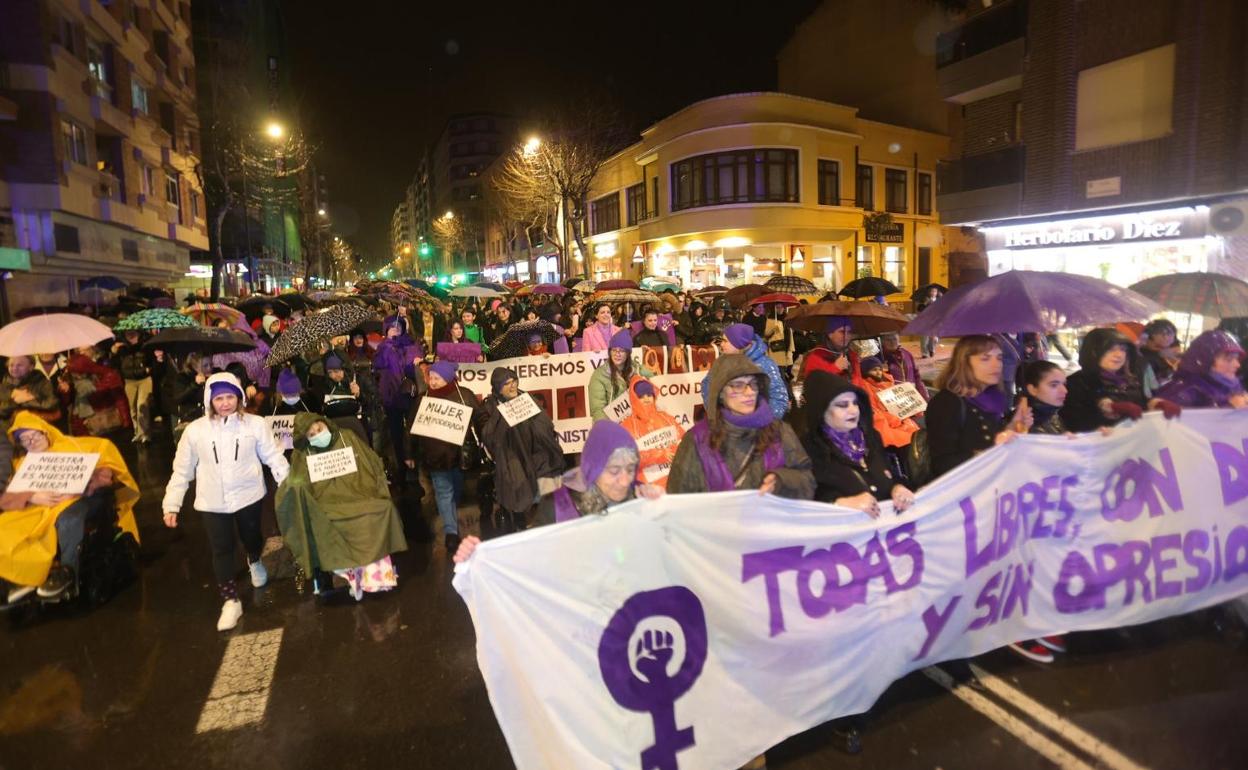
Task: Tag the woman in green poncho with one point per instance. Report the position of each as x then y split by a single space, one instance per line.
346 524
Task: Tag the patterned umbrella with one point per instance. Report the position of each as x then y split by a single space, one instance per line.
616 296
616 283
208 313
155 318
1030 301
585 286
711 291
739 296
51 333
515 341
868 287
307 331
659 283
868 318
1207 294
790 284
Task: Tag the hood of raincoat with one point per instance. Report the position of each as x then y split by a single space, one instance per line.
1098 342
305 420
644 412
819 391
724 370
1199 357
24 420
228 379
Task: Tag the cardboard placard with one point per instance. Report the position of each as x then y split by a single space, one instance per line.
902 400
459 352
282 426
443 420
331 465
61 472
654 473
657 439
619 409
519 409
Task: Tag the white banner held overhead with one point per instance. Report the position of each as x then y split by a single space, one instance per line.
66 473
330 465
442 419
697 631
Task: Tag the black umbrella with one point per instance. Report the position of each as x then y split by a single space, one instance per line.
922 291
868 287
296 301
201 339
307 331
149 292
253 306
514 342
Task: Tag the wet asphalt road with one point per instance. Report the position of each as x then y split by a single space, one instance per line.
392 681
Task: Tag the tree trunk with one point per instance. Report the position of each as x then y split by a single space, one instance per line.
218 254
580 242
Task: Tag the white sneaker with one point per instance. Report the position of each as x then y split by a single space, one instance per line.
259 575
231 611
18 592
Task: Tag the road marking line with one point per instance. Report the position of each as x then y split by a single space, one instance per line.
240 692
1047 748
1100 751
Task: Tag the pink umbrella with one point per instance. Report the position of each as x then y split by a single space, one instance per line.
616 283
550 288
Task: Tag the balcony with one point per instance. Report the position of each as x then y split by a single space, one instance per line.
981 187
983 57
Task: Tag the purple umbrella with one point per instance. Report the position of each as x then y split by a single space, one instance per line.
549 288
1030 301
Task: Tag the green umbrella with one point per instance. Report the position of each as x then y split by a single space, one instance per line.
155 318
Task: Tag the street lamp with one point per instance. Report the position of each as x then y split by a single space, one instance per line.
321 213
449 215
531 146
275 130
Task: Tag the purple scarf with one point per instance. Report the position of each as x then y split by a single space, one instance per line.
990 401
565 507
852 444
719 478
760 418
1116 379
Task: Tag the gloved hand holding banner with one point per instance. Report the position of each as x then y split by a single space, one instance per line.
696 631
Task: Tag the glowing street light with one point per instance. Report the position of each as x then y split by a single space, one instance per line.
275 130
531 146
449 215
321 213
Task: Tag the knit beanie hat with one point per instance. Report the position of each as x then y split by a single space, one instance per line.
644 388
332 361
867 364
603 439
622 339
288 383
221 388
445 369
268 321
500 376
740 335
837 322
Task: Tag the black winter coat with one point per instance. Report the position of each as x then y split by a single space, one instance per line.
957 430
835 474
522 455
438 455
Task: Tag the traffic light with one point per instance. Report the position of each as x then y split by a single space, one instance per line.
424 250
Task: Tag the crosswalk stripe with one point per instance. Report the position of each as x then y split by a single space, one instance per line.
240 691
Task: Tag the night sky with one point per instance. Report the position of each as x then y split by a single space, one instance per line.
376 81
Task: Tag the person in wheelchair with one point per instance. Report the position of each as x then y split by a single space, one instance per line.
41 532
346 523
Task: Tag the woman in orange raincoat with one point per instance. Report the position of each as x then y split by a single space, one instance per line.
32 525
657 433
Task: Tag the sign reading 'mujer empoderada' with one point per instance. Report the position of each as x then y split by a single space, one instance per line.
697 631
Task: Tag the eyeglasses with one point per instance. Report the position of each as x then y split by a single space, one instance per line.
737 387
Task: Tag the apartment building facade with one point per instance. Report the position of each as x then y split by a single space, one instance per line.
99 141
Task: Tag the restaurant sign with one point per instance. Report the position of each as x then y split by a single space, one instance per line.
1120 228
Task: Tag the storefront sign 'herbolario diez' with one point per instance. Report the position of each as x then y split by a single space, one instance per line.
1125 228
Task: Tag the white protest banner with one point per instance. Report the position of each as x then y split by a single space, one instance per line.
442 419
519 409
697 631
620 408
331 465
559 383
62 472
902 400
282 426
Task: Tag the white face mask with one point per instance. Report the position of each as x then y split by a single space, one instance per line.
321 440
290 400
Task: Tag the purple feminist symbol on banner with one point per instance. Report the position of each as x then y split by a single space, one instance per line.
654 632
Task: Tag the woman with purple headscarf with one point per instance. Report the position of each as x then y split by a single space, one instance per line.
398 381
1208 374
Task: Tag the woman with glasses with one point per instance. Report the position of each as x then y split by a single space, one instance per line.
740 444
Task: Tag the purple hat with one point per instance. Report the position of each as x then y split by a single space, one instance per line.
288 383
837 322
445 369
644 388
221 388
622 339
603 439
332 361
740 335
869 363
1205 348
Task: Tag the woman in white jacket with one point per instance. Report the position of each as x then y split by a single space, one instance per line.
222 452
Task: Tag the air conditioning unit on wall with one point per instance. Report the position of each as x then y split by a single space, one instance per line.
1229 218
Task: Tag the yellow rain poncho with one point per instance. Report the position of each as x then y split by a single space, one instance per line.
28 536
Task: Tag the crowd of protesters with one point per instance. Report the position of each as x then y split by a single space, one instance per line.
786 412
